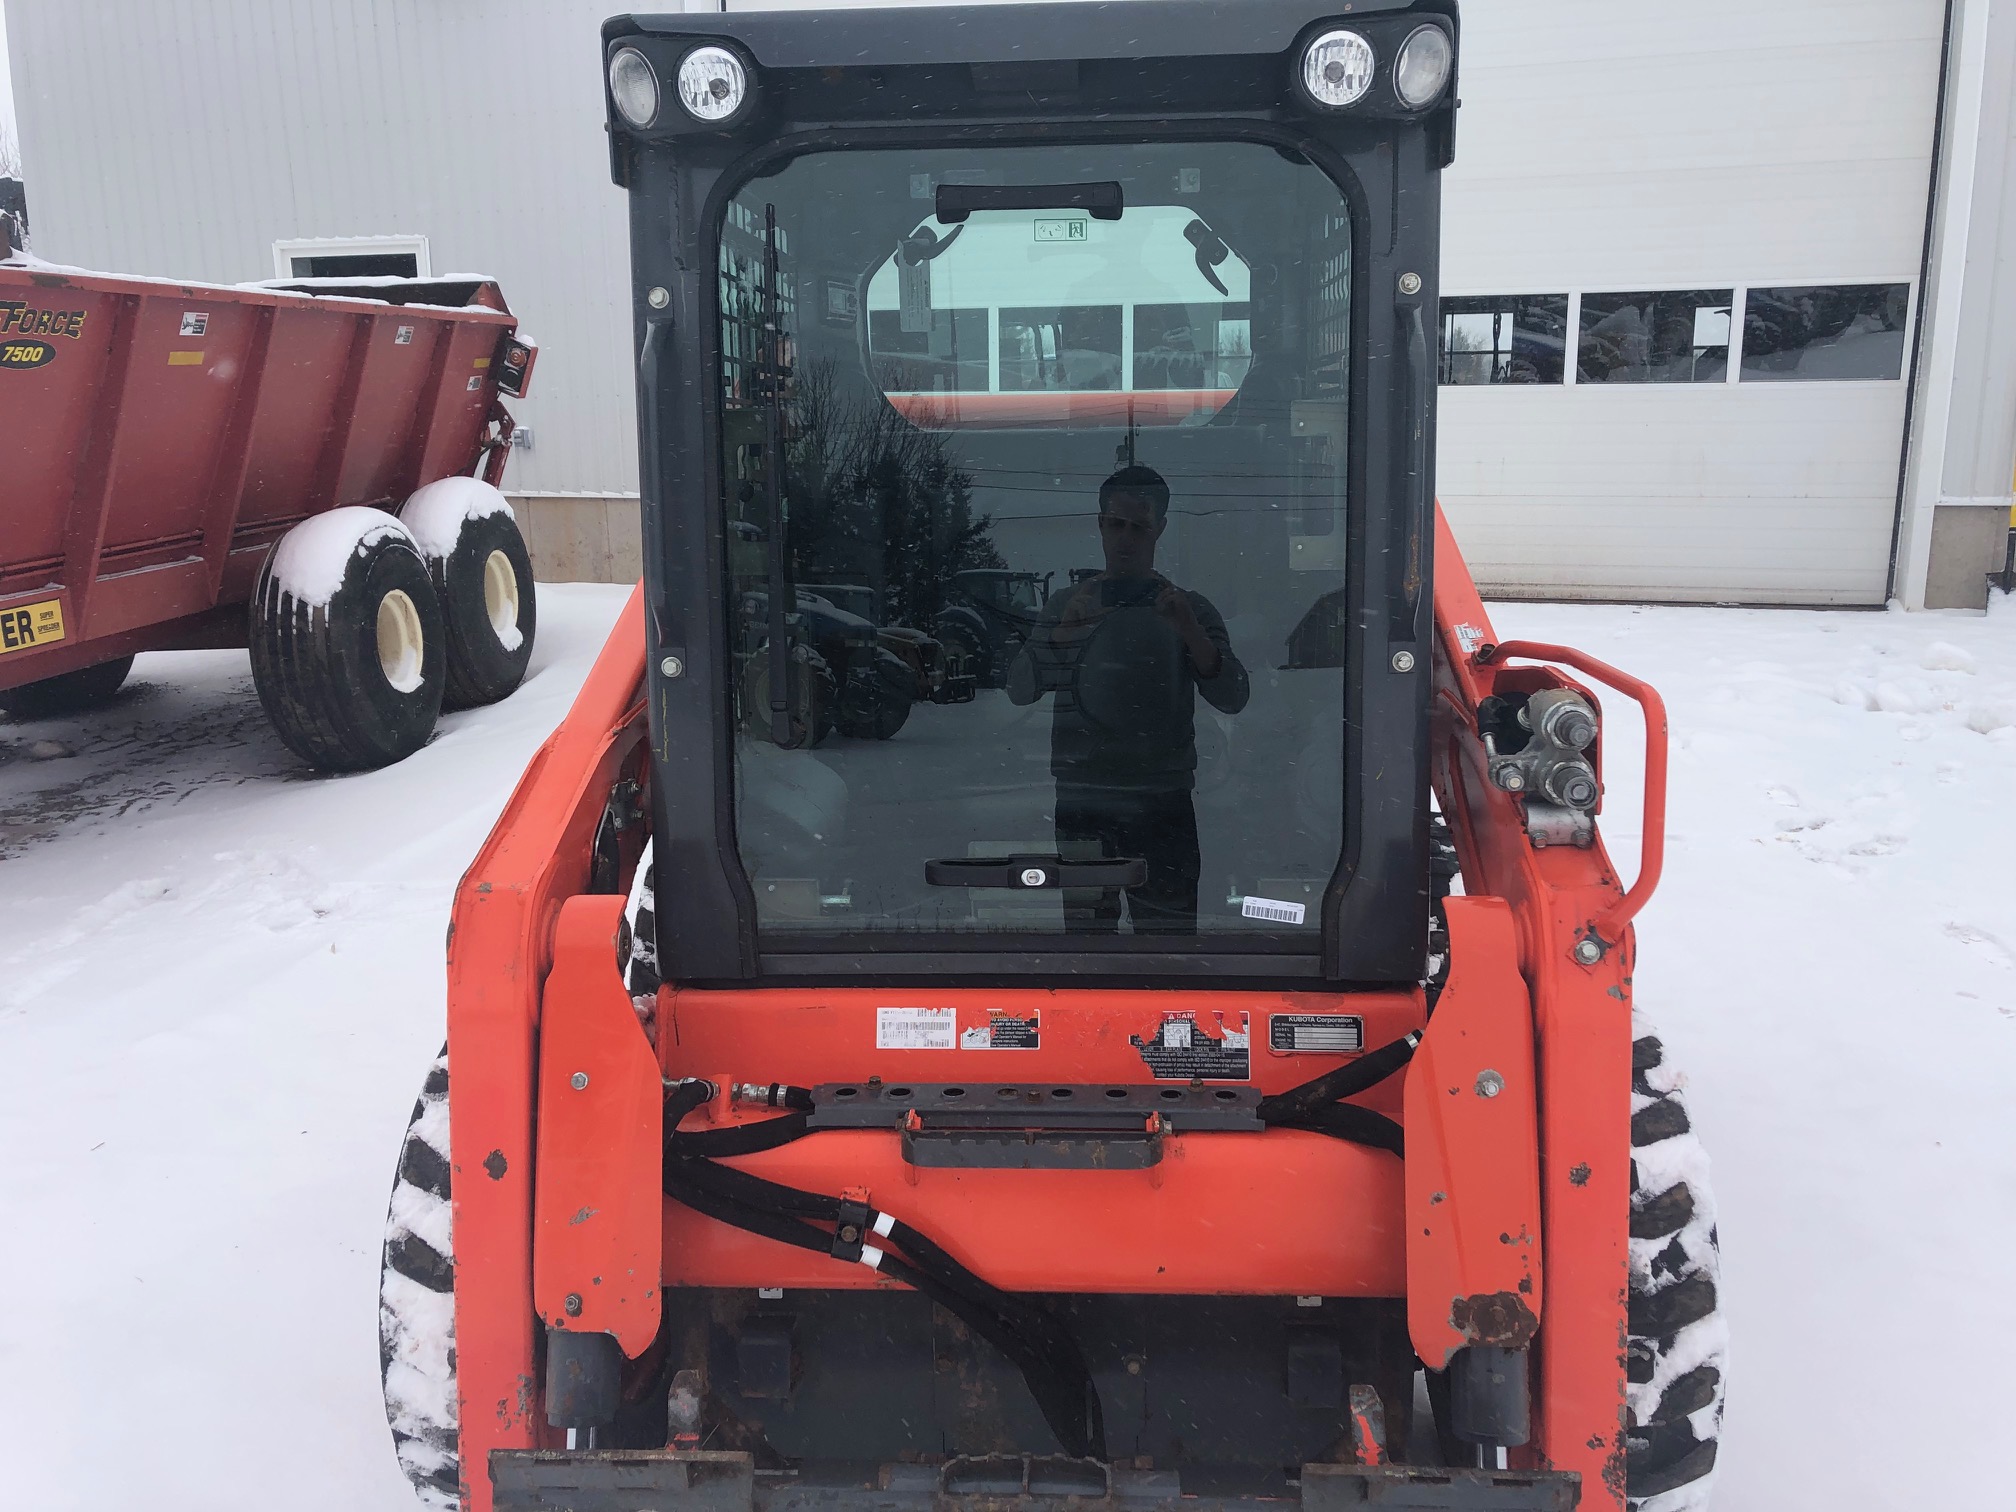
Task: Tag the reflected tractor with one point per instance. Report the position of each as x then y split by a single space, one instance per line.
1200 1069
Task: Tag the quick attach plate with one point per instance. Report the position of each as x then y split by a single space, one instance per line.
1034 1125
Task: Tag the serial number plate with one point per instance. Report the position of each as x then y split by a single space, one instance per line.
29 625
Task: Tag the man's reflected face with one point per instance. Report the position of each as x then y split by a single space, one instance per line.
1129 530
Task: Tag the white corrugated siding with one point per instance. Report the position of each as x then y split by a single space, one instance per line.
183 137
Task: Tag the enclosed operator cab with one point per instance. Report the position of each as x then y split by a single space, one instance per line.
1143 311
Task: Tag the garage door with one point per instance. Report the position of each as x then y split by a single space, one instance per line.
1680 275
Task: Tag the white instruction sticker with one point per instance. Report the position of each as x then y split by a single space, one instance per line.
916 1029
1273 910
195 322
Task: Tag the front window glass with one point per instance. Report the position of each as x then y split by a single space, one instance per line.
1035 521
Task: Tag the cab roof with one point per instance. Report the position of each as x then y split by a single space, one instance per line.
994 33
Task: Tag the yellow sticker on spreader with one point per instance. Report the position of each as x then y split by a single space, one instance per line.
185 359
28 625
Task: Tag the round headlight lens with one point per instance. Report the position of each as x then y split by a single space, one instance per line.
633 85
1337 69
1423 67
712 83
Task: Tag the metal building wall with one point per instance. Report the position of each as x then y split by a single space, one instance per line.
183 137
1604 144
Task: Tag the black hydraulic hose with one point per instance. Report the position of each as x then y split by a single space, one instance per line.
1349 1079
1045 1352
1358 1125
739 1139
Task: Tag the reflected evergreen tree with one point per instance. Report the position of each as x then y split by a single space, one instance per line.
875 500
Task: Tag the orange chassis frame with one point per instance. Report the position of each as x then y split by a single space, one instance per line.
552 1073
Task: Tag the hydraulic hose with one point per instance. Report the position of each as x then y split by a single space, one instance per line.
1348 1080
1035 1342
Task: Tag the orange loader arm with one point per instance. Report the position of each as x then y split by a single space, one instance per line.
1571 937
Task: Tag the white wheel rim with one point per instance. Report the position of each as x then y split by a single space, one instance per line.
402 644
500 595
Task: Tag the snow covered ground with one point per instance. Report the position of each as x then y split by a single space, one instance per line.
220 986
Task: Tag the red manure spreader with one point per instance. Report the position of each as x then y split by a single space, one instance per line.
1199 1069
289 469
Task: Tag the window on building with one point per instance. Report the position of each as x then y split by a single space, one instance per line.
1504 338
1064 347
352 257
1679 336
951 357
1824 332
1183 346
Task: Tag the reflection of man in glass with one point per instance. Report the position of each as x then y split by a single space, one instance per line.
1126 652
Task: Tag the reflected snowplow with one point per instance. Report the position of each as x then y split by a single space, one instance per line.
1127 1088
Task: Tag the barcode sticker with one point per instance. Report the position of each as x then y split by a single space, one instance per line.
1273 910
916 1029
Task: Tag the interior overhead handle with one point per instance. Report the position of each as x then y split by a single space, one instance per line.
1102 201
1033 872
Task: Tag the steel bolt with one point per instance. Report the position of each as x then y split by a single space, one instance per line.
1589 951
1511 779
1410 283
578 1081
573 1304
1489 1084
671 666
1403 661
658 298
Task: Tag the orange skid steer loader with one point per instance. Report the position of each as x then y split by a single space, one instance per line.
1135 1086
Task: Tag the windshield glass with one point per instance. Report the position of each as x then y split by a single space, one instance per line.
1035 488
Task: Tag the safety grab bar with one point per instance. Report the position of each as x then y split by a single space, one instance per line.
1608 926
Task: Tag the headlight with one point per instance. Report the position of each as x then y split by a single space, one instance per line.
712 84
1423 67
1337 69
633 85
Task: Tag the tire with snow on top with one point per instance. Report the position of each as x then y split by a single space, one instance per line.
348 651
67 692
483 576
1677 1357
416 1303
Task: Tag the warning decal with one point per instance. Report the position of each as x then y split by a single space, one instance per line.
1187 1048
1002 1031
916 1029
1308 1033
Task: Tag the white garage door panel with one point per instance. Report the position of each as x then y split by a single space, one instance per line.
1521 33
1779 493
1704 228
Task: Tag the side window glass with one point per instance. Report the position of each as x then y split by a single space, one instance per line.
1662 337
1825 332
1504 338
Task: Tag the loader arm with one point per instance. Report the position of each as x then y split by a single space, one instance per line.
500 948
1575 950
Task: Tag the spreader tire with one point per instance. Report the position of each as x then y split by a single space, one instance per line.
1678 1340
67 692
482 574
348 650
416 1303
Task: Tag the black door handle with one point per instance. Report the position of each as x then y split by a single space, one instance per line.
1034 872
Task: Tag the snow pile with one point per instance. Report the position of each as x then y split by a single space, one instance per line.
312 557
434 513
